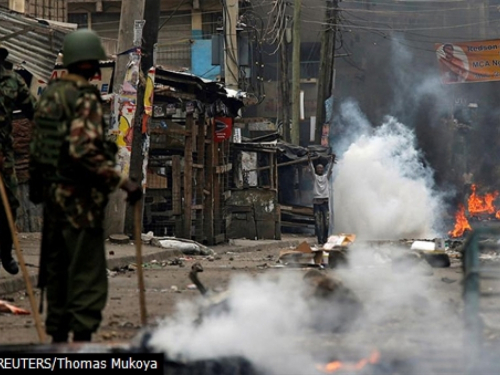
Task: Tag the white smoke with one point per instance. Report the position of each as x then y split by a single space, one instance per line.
382 190
263 323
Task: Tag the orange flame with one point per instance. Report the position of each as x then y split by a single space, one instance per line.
481 204
338 365
461 223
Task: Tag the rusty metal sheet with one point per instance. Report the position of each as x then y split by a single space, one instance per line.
33 44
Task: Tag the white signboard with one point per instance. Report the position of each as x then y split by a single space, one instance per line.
102 80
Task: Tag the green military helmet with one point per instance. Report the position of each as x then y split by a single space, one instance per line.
82 45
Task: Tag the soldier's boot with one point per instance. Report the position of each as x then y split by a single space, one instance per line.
10 265
83 336
60 337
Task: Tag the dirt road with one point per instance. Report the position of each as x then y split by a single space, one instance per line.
166 285
412 311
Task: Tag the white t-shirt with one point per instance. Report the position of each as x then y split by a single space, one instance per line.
321 184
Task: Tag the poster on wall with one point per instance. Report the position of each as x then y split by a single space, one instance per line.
101 80
223 128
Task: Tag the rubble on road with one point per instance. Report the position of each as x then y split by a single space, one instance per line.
187 247
331 254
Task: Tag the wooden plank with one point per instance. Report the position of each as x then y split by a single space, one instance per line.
199 166
197 207
223 168
172 94
217 191
307 211
188 177
169 131
176 185
209 186
200 181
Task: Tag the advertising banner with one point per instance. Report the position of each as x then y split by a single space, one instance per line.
467 62
102 80
223 128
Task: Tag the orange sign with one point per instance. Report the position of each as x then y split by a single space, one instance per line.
469 61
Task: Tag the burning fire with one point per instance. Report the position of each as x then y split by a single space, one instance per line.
461 223
332 367
479 205
476 205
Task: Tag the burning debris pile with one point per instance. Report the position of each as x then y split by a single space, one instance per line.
479 207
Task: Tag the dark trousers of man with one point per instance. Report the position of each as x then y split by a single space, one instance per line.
10 183
322 219
74 269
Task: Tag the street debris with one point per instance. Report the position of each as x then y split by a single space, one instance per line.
187 247
332 254
7 308
433 252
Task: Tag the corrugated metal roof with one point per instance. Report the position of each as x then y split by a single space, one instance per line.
33 44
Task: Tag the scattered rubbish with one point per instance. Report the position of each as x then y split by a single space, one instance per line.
423 245
8 308
187 247
341 239
174 288
176 262
303 254
111 273
154 264
148 237
191 287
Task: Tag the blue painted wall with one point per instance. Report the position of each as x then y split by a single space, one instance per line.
201 57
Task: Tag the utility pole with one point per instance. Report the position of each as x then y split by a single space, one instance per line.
149 39
130 12
327 65
295 131
231 69
284 90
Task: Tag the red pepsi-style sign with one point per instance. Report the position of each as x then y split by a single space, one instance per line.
223 128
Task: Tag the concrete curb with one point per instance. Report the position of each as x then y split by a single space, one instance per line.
17 283
263 247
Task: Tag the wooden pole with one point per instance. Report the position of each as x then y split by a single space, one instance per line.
29 288
116 211
295 132
138 250
327 66
231 69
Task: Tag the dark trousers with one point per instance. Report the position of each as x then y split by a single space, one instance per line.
74 265
322 221
10 184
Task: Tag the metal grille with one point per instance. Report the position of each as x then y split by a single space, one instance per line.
481 264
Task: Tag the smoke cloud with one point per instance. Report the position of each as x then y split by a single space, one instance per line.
263 323
382 189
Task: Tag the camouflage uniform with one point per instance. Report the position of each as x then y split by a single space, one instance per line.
75 194
14 93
